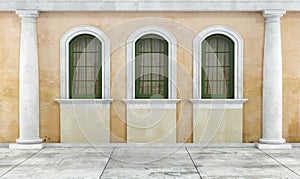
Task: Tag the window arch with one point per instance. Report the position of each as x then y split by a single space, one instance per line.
137 41
235 42
89 37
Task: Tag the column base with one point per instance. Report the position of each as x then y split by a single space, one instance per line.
26 146
272 141
273 146
29 141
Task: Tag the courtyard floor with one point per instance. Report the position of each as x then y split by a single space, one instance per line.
154 162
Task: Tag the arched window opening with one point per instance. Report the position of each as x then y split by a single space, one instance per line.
217 67
85 72
151 67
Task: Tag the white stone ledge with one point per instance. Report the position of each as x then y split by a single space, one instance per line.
152 145
149 5
218 103
140 145
69 103
151 103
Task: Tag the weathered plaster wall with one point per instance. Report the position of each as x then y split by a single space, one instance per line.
291 76
51 27
151 125
9 75
217 125
85 124
184 25
49 34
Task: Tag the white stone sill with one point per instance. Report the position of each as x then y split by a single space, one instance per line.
218 103
151 103
69 103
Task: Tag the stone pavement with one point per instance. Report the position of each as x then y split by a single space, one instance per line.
172 162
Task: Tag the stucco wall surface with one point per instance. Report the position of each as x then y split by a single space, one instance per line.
185 26
151 125
84 124
9 76
217 126
290 34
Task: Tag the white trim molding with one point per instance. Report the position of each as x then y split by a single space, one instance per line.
238 58
70 103
149 5
170 38
218 103
151 103
64 59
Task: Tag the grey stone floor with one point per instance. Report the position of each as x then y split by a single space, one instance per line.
181 162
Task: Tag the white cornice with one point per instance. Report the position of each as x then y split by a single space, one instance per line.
149 5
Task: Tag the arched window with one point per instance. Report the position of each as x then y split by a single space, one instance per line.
217 67
151 66
85 67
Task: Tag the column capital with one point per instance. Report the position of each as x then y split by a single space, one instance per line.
273 13
27 13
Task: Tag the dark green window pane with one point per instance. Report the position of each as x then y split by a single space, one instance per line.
85 67
151 65
217 67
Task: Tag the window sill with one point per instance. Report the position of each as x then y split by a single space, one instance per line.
151 103
218 103
68 103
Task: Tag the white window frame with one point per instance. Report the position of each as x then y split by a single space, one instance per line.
172 43
64 60
238 100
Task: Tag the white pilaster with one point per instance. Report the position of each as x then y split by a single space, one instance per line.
272 82
28 83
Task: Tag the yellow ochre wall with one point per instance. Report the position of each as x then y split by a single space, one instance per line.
290 34
118 26
9 76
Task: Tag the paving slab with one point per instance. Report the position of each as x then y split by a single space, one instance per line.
237 162
205 150
172 162
150 163
290 158
10 158
63 163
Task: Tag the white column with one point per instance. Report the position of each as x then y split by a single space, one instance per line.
272 81
28 83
